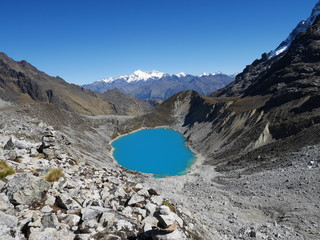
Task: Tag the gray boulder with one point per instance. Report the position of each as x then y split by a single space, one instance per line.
5 204
107 219
66 202
164 210
136 198
49 153
8 224
24 188
49 221
166 220
50 234
9 145
91 213
72 220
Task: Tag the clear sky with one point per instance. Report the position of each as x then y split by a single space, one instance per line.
86 40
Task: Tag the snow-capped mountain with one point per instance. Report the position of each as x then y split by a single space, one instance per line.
205 74
136 76
302 26
159 85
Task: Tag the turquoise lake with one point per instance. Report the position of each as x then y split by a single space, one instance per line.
159 151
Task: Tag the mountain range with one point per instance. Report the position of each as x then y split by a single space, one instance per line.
158 85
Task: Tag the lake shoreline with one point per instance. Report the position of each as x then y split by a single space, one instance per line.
197 158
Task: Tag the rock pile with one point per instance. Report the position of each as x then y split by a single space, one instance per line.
88 202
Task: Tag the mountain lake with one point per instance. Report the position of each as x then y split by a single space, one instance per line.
162 152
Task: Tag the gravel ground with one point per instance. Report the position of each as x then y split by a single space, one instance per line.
282 203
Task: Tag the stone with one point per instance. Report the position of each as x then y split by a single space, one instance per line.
49 221
120 192
83 237
138 186
35 224
34 152
175 235
144 192
66 202
149 222
151 208
112 237
49 139
2 184
46 209
11 155
88 226
166 220
22 144
26 189
91 213
8 224
178 219
50 234
107 219
114 180
135 198
157 200
140 211
50 200
124 225
9 145
105 193
153 192
49 153
5 204
170 229
164 210
72 220
127 211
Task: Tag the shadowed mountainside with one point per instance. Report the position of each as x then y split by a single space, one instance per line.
22 83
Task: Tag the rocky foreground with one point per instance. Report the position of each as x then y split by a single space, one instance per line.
82 202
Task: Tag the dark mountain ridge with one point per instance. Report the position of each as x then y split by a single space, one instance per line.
22 83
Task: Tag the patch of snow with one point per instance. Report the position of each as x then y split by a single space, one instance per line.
302 26
205 74
182 74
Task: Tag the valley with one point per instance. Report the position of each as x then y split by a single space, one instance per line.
257 145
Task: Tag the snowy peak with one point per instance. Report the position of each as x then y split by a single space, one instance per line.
136 76
205 74
302 26
182 74
150 75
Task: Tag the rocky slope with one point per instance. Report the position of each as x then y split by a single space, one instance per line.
156 85
23 83
85 202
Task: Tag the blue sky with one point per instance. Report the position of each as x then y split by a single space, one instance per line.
86 40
